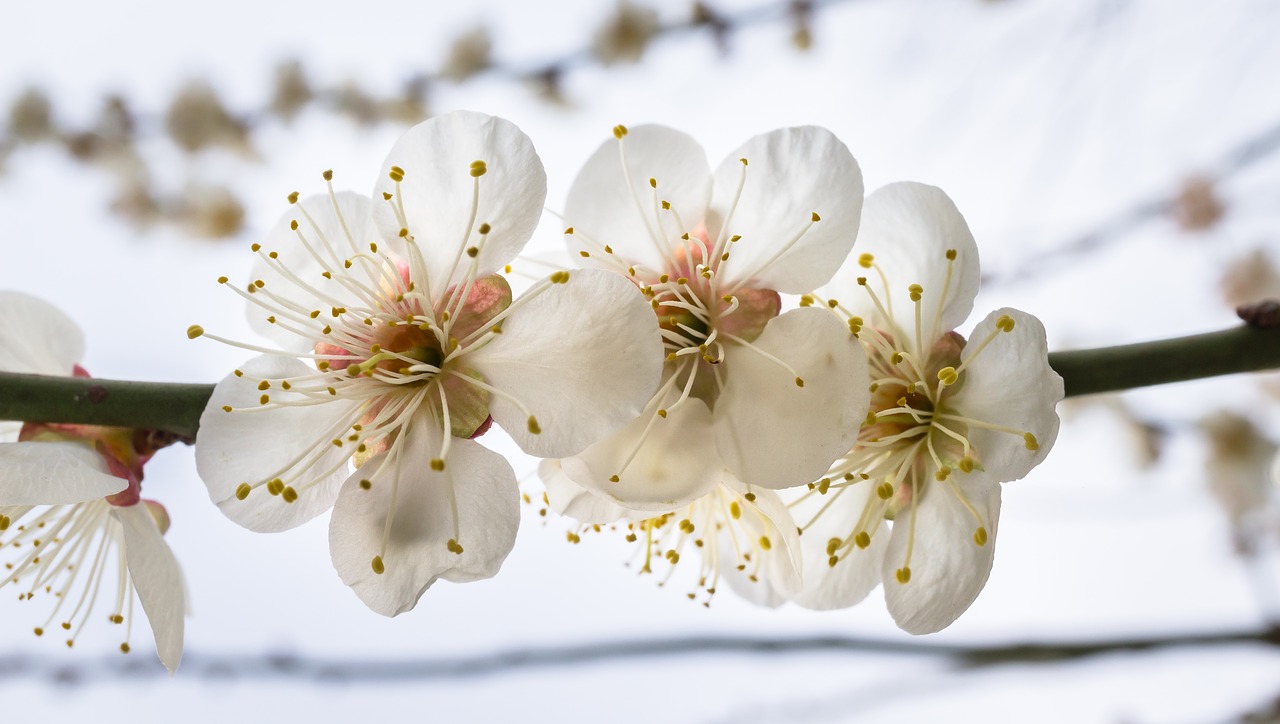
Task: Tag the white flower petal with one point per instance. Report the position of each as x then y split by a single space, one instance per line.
908 228
583 357
618 207
483 488
772 432
158 580
36 337
676 464
327 235
768 517
437 191
9 431
948 569
792 174
1011 384
255 446
829 587
54 473
570 499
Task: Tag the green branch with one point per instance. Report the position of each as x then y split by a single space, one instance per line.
176 408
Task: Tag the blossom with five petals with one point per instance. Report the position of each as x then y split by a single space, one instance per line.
71 511
950 420
398 344
771 399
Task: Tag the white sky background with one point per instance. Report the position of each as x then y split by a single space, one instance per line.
1040 119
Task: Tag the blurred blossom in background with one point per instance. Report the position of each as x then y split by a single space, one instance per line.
1117 160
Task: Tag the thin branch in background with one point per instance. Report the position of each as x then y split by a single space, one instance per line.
1237 159
196 665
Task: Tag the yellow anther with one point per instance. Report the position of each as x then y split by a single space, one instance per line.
194 331
1030 441
682 281
799 382
39 631
666 205
814 216
534 427
275 486
264 399
904 574
884 491
485 228
378 568
951 254
823 486
833 545
980 536
473 251
328 175
437 464
242 491
289 494
662 414
222 280
855 324
116 618
895 358
832 561
806 300
686 526
743 161
386 196
225 408
901 402
915 290
614 478
124 648
673 557
293 226
478 168
966 464
733 239
396 174
943 473
871 418
1004 323
749 497
264 385
619 131
866 260
259 283
862 539
559 277
366 484
454 547
947 375
255 247
765 543
568 231
5 522
653 182
735 510
293 197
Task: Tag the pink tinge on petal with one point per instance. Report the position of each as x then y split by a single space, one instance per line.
755 308
484 427
332 349
486 299
130 495
159 514
78 371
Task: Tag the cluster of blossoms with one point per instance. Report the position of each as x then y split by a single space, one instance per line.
803 455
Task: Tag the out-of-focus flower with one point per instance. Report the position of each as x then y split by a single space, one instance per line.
210 211
71 511
399 344
354 102
950 420
1197 206
801 12
1251 278
1239 473
625 35
292 90
548 85
31 117
774 399
410 106
470 53
197 119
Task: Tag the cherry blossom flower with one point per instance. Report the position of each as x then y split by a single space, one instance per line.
71 512
743 537
950 420
773 399
399 343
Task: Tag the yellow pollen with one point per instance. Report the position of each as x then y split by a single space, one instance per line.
534 428
916 290
765 543
806 300
124 648
386 196
653 182
943 473
559 277
264 399
884 491
485 228
815 217
437 464
259 283
275 486
734 238
862 539
1030 441
39 631
242 491
378 568
865 260
1004 323
673 557
871 419
903 574
366 484
194 331
293 225
328 175
255 247
947 375
568 231
396 174
293 197
966 464
799 382
735 510
225 408
614 478
478 169
951 254
454 546
264 385
619 131
222 280
662 414
980 536
289 494
743 161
